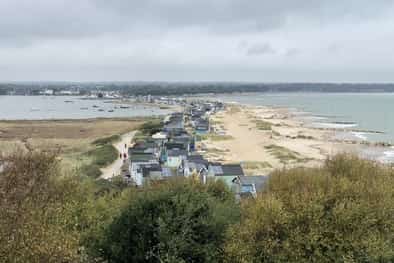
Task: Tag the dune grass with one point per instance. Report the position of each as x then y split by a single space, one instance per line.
214 137
283 154
263 125
254 165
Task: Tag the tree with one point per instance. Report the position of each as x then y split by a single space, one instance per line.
342 212
176 221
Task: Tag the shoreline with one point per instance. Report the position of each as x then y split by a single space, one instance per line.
267 138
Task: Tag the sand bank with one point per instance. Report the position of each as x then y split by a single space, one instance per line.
264 139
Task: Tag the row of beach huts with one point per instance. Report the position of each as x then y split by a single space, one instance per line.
172 152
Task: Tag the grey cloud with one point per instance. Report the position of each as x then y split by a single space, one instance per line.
28 20
292 52
260 49
170 39
333 48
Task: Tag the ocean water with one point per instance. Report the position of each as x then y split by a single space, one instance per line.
361 112
52 107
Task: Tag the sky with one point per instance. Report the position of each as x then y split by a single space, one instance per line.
197 40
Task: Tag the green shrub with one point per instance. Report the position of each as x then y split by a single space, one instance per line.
107 140
151 127
104 155
177 221
90 170
99 157
342 212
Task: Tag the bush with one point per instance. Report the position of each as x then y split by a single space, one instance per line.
104 155
342 212
90 170
37 204
177 221
151 127
107 140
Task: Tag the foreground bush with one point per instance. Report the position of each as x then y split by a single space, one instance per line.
342 212
177 221
36 207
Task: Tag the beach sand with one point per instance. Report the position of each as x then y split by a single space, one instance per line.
263 139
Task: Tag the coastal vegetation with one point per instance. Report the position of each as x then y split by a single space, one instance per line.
148 128
107 140
71 139
283 154
255 165
99 157
342 211
263 125
214 137
151 127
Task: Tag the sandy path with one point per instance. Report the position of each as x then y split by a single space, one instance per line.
114 169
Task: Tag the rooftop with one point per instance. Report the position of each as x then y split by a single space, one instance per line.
177 152
258 181
227 169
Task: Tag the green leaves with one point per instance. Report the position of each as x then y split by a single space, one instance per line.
177 221
341 212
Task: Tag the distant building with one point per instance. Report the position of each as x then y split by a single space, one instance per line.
47 92
137 161
248 186
195 164
175 157
225 172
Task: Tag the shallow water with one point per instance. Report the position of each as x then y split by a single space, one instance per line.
61 107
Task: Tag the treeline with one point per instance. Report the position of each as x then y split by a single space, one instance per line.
166 89
341 212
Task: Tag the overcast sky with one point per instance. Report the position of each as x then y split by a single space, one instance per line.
197 40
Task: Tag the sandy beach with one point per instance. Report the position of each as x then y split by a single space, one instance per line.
264 139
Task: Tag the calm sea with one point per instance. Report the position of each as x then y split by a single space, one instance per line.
51 107
359 111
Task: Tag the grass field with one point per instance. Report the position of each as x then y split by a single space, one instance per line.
72 139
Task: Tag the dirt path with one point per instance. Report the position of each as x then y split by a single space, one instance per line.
114 169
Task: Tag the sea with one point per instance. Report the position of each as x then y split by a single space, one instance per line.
361 116
67 107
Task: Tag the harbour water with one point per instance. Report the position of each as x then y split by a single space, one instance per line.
60 107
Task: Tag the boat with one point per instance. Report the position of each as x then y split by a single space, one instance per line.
95 106
110 110
100 110
69 101
84 108
125 107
